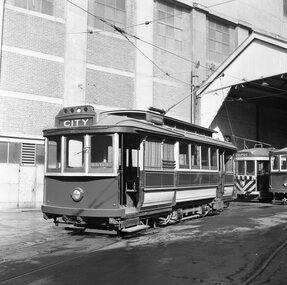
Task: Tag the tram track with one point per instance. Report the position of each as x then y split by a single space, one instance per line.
265 264
10 279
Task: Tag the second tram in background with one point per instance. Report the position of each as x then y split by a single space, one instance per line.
278 175
252 168
122 170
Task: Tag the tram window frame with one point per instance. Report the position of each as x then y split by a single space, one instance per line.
228 162
184 155
262 167
238 163
281 162
205 157
67 166
248 163
58 155
213 159
168 154
153 154
275 160
195 150
108 158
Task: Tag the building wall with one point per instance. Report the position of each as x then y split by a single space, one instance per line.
31 93
48 62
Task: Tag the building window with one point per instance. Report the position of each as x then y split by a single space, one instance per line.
113 11
41 6
10 152
220 40
169 26
285 8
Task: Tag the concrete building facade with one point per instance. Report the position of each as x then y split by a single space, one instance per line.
129 54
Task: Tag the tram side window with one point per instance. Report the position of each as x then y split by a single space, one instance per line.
183 155
168 155
152 156
204 157
195 156
213 158
228 163
275 163
75 152
250 169
54 153
101 151
262 167
283 162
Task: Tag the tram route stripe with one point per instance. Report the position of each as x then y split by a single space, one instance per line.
247 188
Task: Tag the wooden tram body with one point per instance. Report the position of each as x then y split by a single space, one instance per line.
119 169
252 173
278 175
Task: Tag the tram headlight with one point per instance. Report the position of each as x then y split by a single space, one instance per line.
78 194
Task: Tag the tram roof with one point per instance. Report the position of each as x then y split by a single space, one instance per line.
131 122
253 152
161 118
148 127
279 151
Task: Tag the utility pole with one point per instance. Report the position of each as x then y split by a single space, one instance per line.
193 89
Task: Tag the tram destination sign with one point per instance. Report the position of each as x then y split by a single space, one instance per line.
79 122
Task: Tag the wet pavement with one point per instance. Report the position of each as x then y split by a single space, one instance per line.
230 248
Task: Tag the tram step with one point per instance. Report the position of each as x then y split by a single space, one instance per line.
135 229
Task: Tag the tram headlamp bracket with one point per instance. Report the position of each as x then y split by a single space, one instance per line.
77 194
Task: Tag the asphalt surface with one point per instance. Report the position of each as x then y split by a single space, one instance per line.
245 244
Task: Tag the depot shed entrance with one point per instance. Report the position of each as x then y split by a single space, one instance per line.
246 97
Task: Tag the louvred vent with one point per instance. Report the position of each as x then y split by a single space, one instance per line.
28 154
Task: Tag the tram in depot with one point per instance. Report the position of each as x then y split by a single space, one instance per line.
125 170
252 174
278 175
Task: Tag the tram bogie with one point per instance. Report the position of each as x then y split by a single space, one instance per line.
127 170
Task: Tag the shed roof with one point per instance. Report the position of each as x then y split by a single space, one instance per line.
256 70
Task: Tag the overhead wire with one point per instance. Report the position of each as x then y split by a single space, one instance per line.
125 34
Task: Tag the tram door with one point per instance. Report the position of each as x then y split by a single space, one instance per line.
130 171
263 177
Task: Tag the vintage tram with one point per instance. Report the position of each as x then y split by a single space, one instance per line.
278 175
124 170
252 174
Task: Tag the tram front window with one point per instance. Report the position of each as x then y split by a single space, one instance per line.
250 168
54 154
102 153
275 163
240 168
75 153
283 162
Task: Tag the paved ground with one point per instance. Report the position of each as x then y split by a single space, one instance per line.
216 250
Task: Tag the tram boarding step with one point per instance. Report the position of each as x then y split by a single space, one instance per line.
135 229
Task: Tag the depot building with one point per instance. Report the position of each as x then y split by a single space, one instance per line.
219 64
